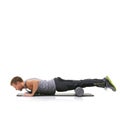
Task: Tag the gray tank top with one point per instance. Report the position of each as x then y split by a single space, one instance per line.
45 87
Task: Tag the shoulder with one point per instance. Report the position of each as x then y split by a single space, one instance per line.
32 80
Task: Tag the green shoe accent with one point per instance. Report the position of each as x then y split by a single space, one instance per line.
110 83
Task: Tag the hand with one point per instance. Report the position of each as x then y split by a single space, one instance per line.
28 95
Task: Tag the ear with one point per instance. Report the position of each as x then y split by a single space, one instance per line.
15 83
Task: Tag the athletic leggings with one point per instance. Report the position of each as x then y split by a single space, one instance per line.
64 85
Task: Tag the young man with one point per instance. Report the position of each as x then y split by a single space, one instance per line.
42 87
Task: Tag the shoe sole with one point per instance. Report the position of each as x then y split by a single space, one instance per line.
110 81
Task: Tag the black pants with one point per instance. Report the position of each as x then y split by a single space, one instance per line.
64 85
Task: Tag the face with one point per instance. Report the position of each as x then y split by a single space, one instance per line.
18 86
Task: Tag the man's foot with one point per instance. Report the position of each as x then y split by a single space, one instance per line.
109 83
79 91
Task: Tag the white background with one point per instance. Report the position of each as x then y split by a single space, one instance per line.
72 39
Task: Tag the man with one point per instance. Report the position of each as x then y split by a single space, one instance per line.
42 87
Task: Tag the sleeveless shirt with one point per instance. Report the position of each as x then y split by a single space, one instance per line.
45 87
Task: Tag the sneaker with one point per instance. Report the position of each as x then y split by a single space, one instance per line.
109 83
79 91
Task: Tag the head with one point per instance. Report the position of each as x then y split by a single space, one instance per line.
18 83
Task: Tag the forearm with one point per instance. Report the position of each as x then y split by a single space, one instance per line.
31 94
34 91
35 88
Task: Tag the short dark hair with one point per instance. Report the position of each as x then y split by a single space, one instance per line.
15 80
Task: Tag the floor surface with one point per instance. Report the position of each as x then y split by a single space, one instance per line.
104 105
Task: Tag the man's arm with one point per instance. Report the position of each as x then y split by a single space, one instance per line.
33 84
